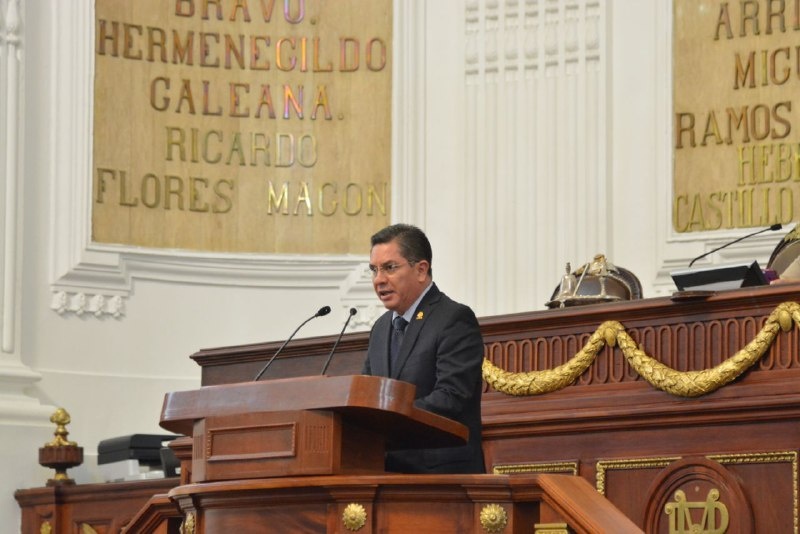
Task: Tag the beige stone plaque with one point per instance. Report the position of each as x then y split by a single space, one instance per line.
242 125
736 143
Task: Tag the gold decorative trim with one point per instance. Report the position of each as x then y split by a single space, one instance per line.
632 463
551 528
660 376
46 528
790 457
681 519
549 467
187 527
87 529
493 518
354 517
757 458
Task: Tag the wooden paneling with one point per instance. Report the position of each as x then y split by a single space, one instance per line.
610 426
103 508
402 504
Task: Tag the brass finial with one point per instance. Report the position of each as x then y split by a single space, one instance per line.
60 453
61 419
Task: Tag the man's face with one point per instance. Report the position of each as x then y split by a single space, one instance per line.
399 289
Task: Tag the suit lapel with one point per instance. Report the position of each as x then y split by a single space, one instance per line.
414 328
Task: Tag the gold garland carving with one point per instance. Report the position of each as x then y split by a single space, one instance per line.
660 376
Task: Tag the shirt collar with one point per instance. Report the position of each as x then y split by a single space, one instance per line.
411 309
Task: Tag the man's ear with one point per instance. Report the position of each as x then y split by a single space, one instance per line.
423 268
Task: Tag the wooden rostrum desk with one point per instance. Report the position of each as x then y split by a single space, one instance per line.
306 454
627 425
575 458
635 444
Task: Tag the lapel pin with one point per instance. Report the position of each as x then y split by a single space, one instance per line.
420 315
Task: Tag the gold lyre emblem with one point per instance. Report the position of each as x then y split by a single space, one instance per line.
713 520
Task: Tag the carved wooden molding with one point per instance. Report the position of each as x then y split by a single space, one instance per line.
629 464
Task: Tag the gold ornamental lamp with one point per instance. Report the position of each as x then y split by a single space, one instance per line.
60 454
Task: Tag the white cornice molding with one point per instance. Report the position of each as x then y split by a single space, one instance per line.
112 269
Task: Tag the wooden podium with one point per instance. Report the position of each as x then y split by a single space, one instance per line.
306 454
313 425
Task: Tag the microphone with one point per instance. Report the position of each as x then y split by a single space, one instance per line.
353 311
325 310
776 226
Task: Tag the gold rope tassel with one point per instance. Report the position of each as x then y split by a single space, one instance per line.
660 376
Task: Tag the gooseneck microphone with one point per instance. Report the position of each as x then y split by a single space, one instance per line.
776 226
353 311
325 310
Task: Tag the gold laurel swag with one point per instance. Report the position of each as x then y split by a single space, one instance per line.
660 376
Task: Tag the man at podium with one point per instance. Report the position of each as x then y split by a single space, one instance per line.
429 340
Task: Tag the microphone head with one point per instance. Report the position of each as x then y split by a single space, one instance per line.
353 311
776 226
325 310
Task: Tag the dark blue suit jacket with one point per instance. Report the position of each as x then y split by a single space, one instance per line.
442 353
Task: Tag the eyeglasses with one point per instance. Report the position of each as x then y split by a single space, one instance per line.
388 269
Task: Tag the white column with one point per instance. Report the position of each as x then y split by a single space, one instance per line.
16 407
535 78
24 421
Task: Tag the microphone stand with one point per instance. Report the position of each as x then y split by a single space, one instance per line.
325 310
774 227
353 311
